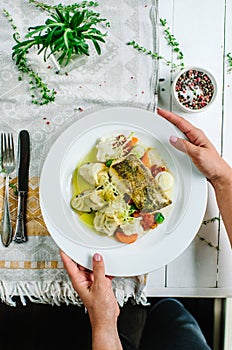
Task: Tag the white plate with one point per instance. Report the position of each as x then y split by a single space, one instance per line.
157 247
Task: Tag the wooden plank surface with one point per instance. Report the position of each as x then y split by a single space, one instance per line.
225 256
202 270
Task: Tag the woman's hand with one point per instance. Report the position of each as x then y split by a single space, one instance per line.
95 290
202 152
206 158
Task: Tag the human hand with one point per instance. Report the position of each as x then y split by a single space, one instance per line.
95 290
206 158
202 152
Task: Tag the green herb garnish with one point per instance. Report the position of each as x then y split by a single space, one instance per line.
159 218
133 208
14 187
109 162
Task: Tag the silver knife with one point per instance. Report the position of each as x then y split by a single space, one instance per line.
20 235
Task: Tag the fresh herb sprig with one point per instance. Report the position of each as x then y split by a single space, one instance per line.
72 8
210 244
171 40
40 93
14 187
206 222
64 34
154 55
211 220
229 58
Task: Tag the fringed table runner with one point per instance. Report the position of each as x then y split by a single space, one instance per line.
120 76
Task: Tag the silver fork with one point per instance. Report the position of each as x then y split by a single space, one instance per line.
8 166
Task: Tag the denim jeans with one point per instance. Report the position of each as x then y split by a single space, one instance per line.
169 326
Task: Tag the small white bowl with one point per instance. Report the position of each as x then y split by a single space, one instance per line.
194 89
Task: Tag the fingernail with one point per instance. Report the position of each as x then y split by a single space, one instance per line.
97 257
173 139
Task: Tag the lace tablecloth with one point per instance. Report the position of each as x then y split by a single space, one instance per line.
120 76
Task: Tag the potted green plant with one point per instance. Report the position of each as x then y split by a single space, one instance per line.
65 34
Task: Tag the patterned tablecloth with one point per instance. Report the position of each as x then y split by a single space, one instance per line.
119 77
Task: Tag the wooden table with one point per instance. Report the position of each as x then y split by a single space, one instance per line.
204 31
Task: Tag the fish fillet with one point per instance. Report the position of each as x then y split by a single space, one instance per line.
144 190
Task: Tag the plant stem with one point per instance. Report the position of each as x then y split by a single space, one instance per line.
229 58
206 222
208 243
37 85
211 220
171 40
72 8
154 55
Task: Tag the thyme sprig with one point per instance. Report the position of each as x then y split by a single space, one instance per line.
206 222
211 220
72 8
171 40
210 244
229 58
40 93
154 55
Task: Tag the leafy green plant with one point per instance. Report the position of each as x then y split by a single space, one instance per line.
65 33
171 41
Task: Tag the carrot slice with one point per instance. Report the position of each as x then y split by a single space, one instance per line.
134 140
154 225
128 239
130 144
146 160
